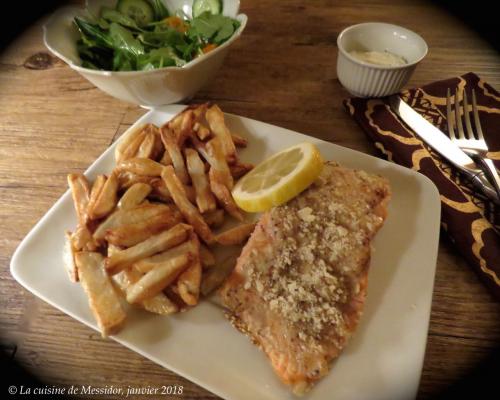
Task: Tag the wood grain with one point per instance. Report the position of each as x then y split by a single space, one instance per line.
282 71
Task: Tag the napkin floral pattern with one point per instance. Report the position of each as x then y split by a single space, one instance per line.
471 221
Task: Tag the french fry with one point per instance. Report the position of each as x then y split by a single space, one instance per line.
190 193
175 123
171 146
200 122
159 149
157 279
186 127
127 179
204 197
158 304
120 282
189 283
150 246
129 145
239 141
106 201
141 166
125 141
187 209
134 146
240 169
202 131
207 258
80 191
200 147
173 294
112 249
82 239
69 257
160 190
103 299
165 159
215 118
95 192
147 264
215 218
148 147
134 196
130 235
214 277
182 126
152 146
129 216
223 195
236 235
199 111
218 162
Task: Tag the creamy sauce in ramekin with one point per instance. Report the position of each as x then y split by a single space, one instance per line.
385 58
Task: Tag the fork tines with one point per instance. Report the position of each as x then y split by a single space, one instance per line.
457 120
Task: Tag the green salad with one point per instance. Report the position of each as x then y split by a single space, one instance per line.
140 35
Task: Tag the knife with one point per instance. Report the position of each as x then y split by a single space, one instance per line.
442 144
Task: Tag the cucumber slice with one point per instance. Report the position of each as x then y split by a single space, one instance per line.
139 10
201 6
110 15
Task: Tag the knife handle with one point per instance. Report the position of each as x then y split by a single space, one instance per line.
481 182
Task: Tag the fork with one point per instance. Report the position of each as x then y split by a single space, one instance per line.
471 142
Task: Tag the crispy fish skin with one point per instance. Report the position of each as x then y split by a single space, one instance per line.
299 286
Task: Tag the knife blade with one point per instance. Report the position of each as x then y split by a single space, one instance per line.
443 145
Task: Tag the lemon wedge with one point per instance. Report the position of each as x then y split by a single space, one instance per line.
279 178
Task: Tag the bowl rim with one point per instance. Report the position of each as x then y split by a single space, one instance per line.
375 66
64 11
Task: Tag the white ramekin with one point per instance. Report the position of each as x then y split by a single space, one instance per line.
368 80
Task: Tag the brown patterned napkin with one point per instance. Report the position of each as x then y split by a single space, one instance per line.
471 221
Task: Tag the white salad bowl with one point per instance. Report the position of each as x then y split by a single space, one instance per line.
364 79
146 88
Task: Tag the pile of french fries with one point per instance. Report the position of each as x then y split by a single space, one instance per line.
146 232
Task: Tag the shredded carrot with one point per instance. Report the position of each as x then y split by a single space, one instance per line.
209 47
176 23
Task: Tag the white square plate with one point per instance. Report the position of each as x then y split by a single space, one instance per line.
383 359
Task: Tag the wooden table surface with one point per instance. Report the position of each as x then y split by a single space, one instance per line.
282 71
